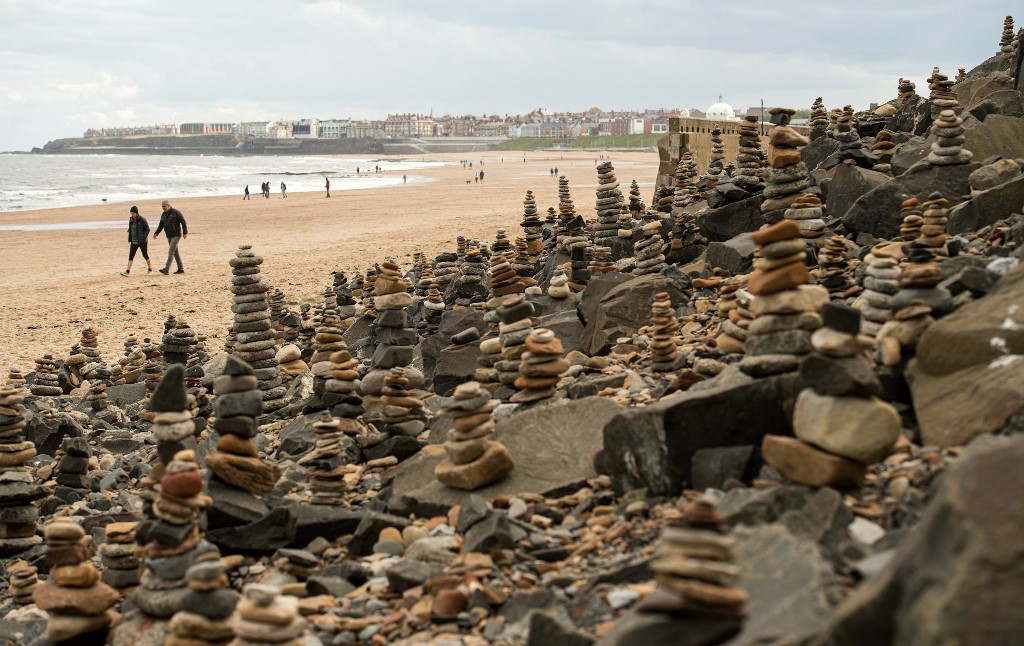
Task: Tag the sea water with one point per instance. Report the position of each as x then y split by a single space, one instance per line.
29 182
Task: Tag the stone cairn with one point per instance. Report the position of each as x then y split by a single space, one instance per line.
470 284
325 463
367 295
818 120
1006 39
46 383
664 198
289 360
265 618
682 187
403 413
558 286
716 165
933 224
77 602
121 557
17 489
177 343
910 224
906 90
961 75
133 362
72 470
883 149
663 329
16 376
577 243
748 157
786 178
326 342
919 280
524 264
237 405
206 608
395 339
514 327
636 204
784 306
345 304
880 285
539 367
602 262
942 96
94 369
695 571
733 303
173 425
472 461
947 149
566 210
533 228
446 265
341 390
648 251
851 147
256 345
832 265
433 309
609 202
170 537
24 582
841 427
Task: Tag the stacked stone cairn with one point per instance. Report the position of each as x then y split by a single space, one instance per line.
263 617
1006 49
367 295
942 96
832 274
403 413
648 251
961 74
539 367
566 209
912 219
682 187
748 157
577 244
786 178
72 470
325 463
433 309
524 264
663 329
121 557
907 90
514 327
733 303
880 285
46 383
24 582
609 203
341 389
602 262
17 486
883 149
94 369
558 286
97 396
256 336
289 360
426 278
206 608
16 376
716 165
173 424
533 227
818 120
133 363
664 199
237 405
501 243
77 602
178 343
327 341
933 224
395 339
471 283
947 149
472 461
919 282
841 427
696 575
851 148
490 354
636 204
784 306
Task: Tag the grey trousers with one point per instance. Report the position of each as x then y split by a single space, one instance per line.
172 253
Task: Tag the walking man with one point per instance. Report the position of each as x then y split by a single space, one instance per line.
328 185
174 223
284 190
246 192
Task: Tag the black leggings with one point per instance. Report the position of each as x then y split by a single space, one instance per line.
135 247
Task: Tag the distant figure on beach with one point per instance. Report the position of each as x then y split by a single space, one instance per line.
266 190
284 190
328 185
138 234
404 179
556 171
246 192
481 176
174 223
476 176
551 172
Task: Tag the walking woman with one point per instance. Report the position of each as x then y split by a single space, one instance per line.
138 234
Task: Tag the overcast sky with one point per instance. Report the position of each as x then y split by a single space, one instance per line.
74 64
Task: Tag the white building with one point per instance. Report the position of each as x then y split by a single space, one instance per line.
721 111
334 128
253 128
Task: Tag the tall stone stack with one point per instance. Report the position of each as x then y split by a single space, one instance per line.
602 262
947 149
121 557
206 609
883 149
24 581
133 363
919 282
566 209
881 273
681 185
748 156
326 342
238 403
177 343
173 425
265 618
1006 39
609 203
460 248
403 414
911 219
152 372
16 376
733 303
696 576
46 383
341 390
906 90
539 367
832 265
93 368
851 148
636 203
942 97
716 165
72 469
256 345
648 251
533 228
425 280
786 178
472 461
395 339
933 224
523 264
77 602
818 120
324 464
501 243
433 309
515 324
841 427
471 283
97 396
784 306
446 265
663 329
171 537
17 486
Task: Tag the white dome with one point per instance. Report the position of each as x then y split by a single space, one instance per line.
722 111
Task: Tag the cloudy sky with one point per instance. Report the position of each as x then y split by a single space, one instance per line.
69 65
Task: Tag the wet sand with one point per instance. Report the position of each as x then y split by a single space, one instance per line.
55 282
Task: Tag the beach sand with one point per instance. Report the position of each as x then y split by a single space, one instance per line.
55 283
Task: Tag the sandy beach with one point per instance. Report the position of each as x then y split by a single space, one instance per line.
54 283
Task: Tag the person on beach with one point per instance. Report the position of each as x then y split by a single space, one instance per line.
246 192
138 234
174 223
328 185
284 190
476 177
481 176
404 179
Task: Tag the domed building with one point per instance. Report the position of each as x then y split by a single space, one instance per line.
721 111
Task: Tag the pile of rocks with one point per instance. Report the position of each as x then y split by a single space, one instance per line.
17 486
324 464
46 383
97 396
851 148
663 329
786 178
515 317
16 376
446 265
948 148
733 303
472 461
206 608
883 149
77 602
121 557
403 413
818 120
933 223
341 388
24 581
906 90
807 211
255 334
289 360
1006 49
682 187
566 209
265 618
72 469
942 97
910 224
345 304
177 343
173 425
237 405
395 339
539 368
471 282
832 273
748 157
648 251
533 228
636 203
609 202
880 285
840 426
784 306
326 342
602 262
716 165
919 281
558 286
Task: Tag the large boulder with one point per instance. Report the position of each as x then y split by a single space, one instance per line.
987 207
654 446
958 577
968 377
553 445
725 222
1009 103
625 308
818 151
848 184
735 256
456 365
878 211
997 135
972 91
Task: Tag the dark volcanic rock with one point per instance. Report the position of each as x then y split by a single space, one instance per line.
818 151
270 533
987 207
712 468
735 256
723 223
848 184
455 365
624 309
